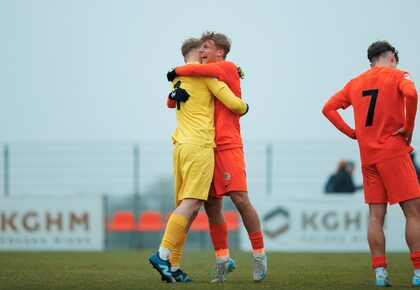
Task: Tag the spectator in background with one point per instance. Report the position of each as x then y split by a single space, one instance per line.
329 187
416 167
342 180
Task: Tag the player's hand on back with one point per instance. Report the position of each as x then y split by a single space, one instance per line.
241 72
408 135
247 109
171 75
178 93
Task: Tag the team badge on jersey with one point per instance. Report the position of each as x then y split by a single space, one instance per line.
227 176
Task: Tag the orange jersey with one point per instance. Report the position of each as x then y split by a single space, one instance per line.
226 123
384 100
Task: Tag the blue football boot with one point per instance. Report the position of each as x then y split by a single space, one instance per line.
181 276
163 267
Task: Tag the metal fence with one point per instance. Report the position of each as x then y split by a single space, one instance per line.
145 168
138 176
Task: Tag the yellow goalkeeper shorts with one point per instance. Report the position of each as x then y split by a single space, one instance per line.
193 171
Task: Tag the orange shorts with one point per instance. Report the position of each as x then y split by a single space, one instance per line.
229 172
392 181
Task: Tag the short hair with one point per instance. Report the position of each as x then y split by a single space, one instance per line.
378 48
220 40
189 44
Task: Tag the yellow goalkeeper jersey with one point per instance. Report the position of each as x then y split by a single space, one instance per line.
195 117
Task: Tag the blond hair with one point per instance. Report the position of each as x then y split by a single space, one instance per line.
189 44
220 40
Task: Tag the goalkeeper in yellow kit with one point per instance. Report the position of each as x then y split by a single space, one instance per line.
193 155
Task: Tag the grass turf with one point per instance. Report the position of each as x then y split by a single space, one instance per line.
130 270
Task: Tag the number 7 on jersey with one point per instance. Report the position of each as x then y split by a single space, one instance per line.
371 111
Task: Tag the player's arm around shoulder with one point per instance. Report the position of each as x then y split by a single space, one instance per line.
230 69
197 69
222 92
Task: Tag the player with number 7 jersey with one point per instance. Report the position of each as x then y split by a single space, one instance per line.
379 98
384 101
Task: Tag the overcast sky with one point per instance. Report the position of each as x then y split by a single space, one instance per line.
94 70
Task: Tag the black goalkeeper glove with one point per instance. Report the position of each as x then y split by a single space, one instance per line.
241 72
171 75
247 109
179 95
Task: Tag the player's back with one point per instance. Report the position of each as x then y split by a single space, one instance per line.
379 111
195 118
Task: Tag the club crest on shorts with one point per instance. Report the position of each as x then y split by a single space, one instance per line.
227 176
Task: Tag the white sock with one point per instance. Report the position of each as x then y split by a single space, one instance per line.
381 272
174 268
417 272
164 253
222 260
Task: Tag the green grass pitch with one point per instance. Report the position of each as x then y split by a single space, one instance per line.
130 270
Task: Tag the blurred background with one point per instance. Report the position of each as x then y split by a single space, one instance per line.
83 116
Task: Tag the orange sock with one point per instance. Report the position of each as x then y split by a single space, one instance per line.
257 242
222 253
378 261
218 234
219 237
415 259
